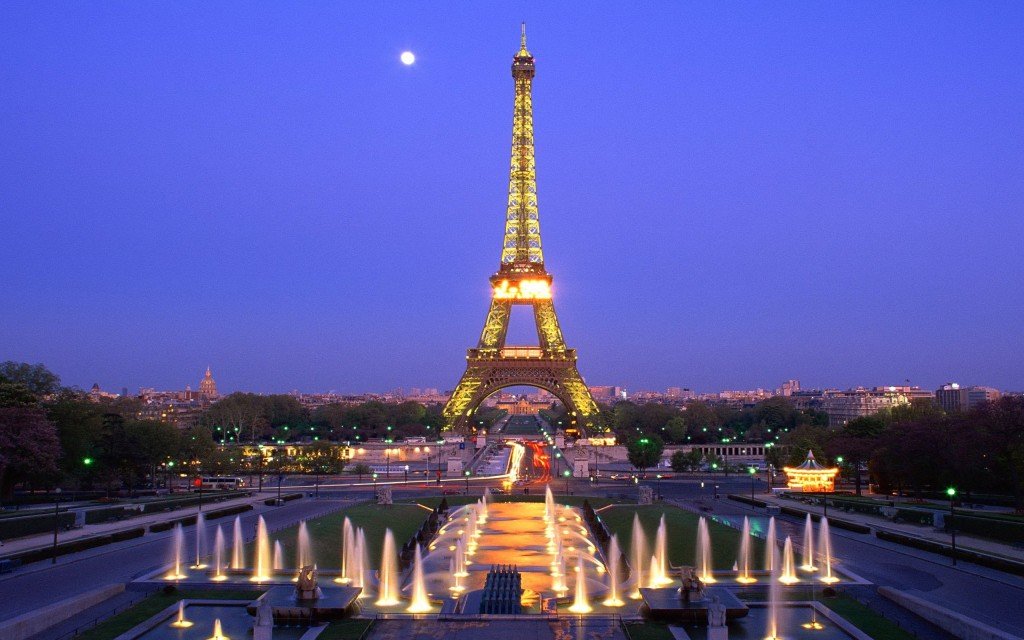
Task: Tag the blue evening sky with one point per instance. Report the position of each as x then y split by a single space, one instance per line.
731 193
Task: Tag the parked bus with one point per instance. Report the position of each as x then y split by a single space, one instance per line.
220 483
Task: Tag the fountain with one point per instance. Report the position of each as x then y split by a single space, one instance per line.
614 556
808 564
387 574
360 562
420 601
217 633
825 553
549 504
347 544
460 560
704 552
180 622
580 603
238 546
774 596
177 546
279 556
743 562
456 587
262 571
788 565
770 546
659 570
218 555
303 546
638 547
200 541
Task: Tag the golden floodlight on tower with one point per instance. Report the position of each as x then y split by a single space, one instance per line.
810 476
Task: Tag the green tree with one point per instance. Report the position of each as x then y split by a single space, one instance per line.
39 380
675 429
645 451
855 442
29 448
687 460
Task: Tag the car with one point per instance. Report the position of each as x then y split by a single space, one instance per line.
451 492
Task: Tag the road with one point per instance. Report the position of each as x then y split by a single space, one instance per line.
41 583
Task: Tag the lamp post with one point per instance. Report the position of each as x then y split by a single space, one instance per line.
406 474
951 492
566 473
374 483
657 479
56 522
387 462
753 475
466 473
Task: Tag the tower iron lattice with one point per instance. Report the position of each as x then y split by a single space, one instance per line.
521 279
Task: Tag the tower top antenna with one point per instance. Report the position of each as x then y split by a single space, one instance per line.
523 52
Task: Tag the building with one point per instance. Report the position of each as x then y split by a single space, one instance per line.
680 393
789 387
608 393
207 386
953 398
843 406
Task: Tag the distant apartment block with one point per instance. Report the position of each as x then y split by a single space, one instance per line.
953 398
843 406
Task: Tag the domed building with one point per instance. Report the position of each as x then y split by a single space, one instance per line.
207 386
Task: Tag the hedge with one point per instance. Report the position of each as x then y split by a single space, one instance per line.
751 501
285 498
983 559
208 515
996 529
915 516
31 525
74 546
106 514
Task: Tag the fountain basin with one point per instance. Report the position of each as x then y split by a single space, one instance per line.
335 602
666 604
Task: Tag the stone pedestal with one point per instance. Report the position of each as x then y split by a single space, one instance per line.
262 633
384 495
718 633
646 495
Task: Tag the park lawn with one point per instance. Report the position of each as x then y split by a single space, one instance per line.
154 604
348 629
325 533
681 527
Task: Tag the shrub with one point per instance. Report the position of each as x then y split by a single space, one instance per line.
31 525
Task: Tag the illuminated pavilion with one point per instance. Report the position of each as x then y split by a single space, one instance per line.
810 476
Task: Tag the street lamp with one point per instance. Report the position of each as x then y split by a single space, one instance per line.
466 473
951 492
566 473
374 483
56 522
658 481
753 475
406 474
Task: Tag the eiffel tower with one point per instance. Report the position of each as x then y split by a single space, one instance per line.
522 280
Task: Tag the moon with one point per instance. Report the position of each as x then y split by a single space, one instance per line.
407 58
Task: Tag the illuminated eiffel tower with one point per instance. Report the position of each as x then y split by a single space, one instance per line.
521 279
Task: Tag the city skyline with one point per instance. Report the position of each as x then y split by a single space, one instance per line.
762 194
